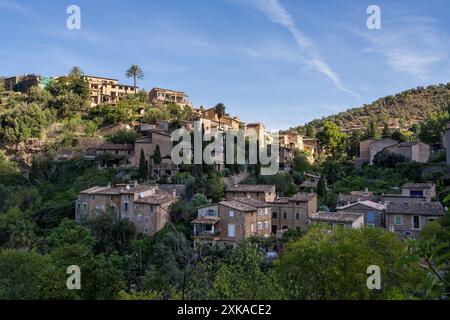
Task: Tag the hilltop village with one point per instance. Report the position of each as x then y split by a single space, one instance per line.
86 158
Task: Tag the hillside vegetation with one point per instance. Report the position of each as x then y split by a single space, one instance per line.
401 110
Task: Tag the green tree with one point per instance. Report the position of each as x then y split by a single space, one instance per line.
220 111
157 155
333 139
332 265
216 188
321 187
143 165
243 277
76 72
135 72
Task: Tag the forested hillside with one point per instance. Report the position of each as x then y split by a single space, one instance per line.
401 110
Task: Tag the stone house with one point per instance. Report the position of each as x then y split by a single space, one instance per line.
266 193
147 207
148 144
408 218
293 212
373 213
341 219
412 151
426 190
231 221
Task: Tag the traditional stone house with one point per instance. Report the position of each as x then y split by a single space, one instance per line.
111 154
408 219
106 90
412 151
342 219
372 212
370 147
148 144
231 221
147 207
293 212
311 181
260 192
158 96
426 190
286 157
355 196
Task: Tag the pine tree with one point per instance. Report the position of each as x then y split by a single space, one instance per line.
157 155
321 187
143 165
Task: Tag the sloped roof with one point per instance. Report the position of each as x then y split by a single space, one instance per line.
238 205
159 197
366 203
252 202
251 188
418 208
336 217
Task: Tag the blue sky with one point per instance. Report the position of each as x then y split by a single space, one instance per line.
281 62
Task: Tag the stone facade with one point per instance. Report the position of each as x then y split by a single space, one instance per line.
373 213
232 221
293 212
147 207
266 193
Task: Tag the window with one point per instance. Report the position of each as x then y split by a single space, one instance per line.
231 214
398 220
370 218
85 206
125 206
140 217
252 227
274 215
231 230
297 216
416 222
416 193
260 225
136 206
284 215
266 225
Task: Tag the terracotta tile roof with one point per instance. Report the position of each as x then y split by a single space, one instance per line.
206 220
355 198
238 205
336 217
301 197
159 197
418 208
118 189
252 202
251 188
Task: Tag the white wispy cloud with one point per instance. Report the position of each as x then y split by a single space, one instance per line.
412 45
278 14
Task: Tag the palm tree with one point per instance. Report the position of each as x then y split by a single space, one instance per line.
76 72
220 110
135 72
